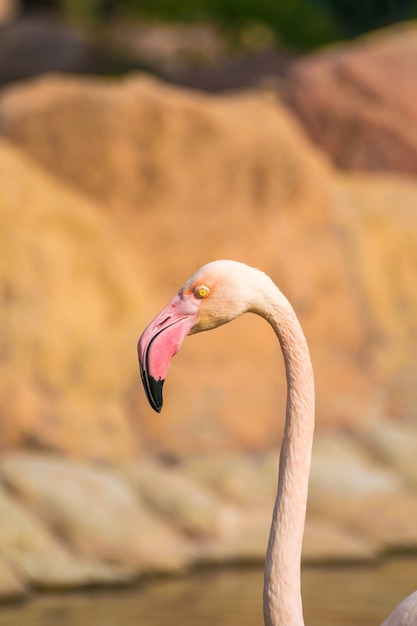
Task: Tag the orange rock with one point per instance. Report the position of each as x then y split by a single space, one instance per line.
378 222
69 311
179 179
358 100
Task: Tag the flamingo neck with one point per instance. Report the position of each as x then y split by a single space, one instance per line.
282 583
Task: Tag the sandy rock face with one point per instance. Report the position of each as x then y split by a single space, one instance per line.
185 179
378 225
176 179
358 101
69 301
115 527
67 523
111 195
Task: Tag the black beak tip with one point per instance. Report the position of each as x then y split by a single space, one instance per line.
156 404
154 393
153 389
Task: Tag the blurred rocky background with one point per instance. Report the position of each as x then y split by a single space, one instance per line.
139 140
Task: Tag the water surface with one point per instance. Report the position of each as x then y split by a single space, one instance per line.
333 596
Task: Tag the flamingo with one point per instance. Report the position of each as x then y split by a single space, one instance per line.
216 294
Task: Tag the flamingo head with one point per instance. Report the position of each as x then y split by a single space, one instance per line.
216 294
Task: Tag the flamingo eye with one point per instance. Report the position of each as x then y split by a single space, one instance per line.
201 292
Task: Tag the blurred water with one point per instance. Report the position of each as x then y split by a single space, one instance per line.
337 596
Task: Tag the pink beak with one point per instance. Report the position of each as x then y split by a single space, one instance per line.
161 340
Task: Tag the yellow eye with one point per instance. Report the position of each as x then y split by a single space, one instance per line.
201 292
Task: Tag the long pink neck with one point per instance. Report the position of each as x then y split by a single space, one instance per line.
282 585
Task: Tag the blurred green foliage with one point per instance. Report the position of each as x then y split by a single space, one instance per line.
297 24
300 24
